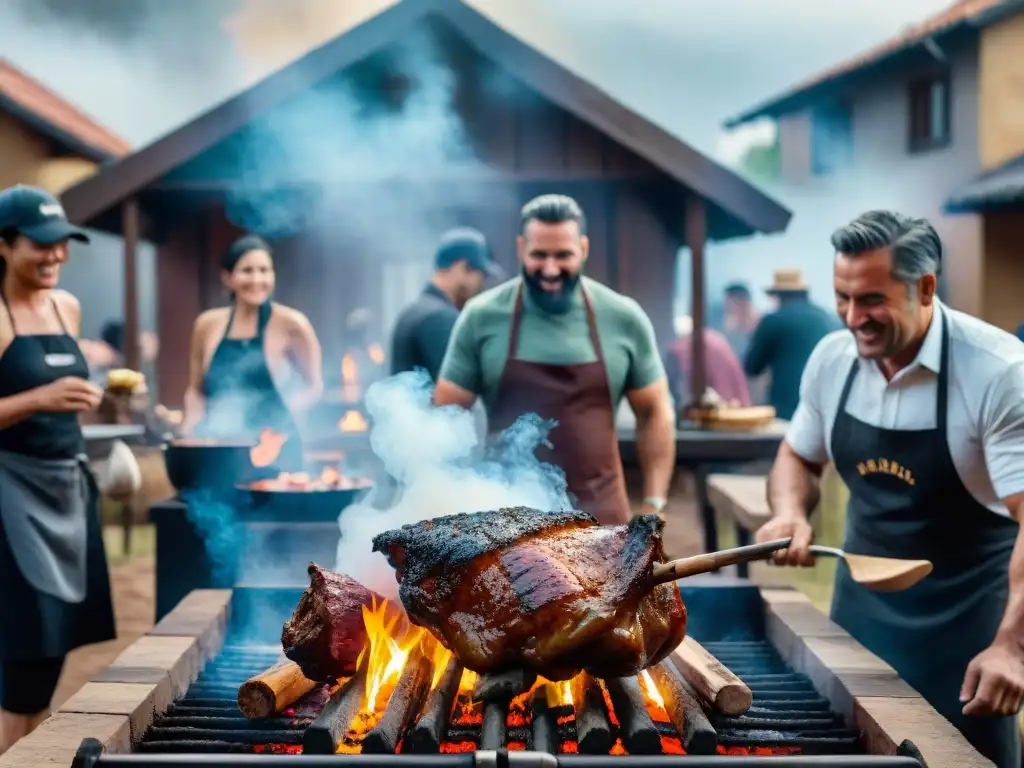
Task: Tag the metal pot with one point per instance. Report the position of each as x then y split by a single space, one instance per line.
194 464
299 505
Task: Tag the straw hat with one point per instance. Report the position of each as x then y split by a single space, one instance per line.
787 281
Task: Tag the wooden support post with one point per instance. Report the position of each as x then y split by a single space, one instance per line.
130 227
696 235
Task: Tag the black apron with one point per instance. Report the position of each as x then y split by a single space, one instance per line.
242 398
54 584
907 501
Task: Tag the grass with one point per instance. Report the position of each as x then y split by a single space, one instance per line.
829 525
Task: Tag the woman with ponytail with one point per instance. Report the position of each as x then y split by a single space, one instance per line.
241 352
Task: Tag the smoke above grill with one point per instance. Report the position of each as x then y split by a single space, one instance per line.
442 468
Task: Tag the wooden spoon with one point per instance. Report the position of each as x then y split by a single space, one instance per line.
881 574
712 561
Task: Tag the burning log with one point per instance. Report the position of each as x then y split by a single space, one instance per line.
430 729
272 690
402 707
544 722
593 731
323 735
684 710
711 679
492 735
503 686
637 729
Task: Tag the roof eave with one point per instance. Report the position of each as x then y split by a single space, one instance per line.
802 98
53 132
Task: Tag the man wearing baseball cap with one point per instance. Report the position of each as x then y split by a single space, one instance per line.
462 263
56 588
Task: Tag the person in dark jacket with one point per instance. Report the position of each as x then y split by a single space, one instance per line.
462 263
785 338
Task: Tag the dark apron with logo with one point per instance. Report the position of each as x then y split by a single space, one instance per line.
54 584
907 501
242 398
584 443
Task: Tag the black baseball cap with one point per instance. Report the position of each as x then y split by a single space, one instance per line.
37 215
468 245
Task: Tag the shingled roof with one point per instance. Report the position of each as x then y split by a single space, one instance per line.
962 14
749 207
49 114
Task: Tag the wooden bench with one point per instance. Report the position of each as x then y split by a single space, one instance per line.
744 500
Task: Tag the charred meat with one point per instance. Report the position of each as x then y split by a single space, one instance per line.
326 634
552 593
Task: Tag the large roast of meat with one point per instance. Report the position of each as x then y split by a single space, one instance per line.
326 633
549 593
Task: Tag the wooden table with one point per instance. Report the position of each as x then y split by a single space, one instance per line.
703 450
99 438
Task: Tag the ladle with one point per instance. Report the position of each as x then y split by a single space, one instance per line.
882 574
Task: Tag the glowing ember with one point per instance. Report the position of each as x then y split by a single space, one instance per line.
353 421
265 453
329 479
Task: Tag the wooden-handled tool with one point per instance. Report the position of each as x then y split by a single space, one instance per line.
712 681
273 689
712 561
881 574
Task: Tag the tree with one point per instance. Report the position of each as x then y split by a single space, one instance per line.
762 161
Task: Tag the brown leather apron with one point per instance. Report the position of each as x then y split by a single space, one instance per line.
583 444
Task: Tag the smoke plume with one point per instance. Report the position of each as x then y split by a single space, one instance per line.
434 455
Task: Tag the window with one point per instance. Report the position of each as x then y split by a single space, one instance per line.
831 138
929 113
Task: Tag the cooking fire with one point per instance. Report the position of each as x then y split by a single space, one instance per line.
517 629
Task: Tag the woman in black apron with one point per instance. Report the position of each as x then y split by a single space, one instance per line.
55 593
930 632
241 351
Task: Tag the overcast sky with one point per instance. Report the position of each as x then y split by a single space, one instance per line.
145 66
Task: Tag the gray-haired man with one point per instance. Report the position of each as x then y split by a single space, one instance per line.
921 410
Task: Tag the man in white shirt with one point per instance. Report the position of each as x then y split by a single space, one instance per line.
921 410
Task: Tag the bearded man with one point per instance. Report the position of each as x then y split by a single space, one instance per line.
558 344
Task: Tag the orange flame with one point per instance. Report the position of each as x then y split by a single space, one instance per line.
376 353
353 421
350 377
385 655
266 451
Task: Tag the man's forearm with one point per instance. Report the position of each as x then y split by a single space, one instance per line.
793 486
656 451
1012 626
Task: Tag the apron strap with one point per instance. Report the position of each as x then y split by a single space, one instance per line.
942 392
592 322
517 313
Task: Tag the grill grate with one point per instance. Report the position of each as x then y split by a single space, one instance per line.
787 717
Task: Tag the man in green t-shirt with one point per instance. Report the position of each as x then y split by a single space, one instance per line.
567 348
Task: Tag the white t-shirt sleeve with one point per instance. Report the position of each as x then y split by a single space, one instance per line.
807 429
1002 430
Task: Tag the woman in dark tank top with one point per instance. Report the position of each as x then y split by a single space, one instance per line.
55 592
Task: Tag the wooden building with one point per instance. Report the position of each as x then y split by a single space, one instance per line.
44 140
528 126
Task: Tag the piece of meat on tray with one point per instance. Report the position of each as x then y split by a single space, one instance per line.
326 633
548 592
